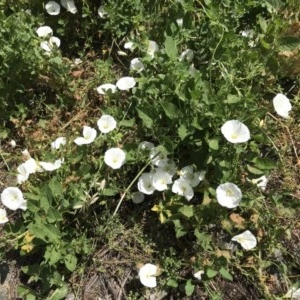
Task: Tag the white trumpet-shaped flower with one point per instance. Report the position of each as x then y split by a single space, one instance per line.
44 31
228 195
145 184
69 5
60 141
152 48
23 173
47 166
246 239
183 188
48 46
3 216
125 83
52 8
12 198
235 131
106 123
114 158
136 65
161 179
147 275
89 134
282 105
103 88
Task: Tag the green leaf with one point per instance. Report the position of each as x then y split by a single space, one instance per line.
189 288
172 283
232 99
45 232
59 293
170 47
171 110
226 274
288 43
211 273
213 144
179 229
254 171
187 210
71 262
264 163
146 119
182 132
110 192
263 24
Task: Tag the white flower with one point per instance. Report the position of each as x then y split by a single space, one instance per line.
114 158
106 123
52 8
102 12
106 87
146 145
261 182
129 45
187 173
145 183
51 166
246 239
228 195
187 55
192 70
13 143
282 105
44 31
23 174
170 167
125 83
26 154
77 61
69 5
161 179
58 142
136 65
292 293
235 131
179 22
147 275
54 42
32 166
183 188
122 53
12 198
3 216
198 274
89 134
138 197
152 48
158 157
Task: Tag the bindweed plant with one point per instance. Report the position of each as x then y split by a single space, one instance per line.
181 126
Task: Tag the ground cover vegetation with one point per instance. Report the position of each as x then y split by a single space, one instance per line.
149 149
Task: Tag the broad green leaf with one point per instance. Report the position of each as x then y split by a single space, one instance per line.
232 99
226 274
55 187
71 262
263 24
264 163
45 232
179 229
182 132
146 119
171 110
211 273
288 43
187 210
172 283
170 47
189 288
59 293
213 144
254 171
110 192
